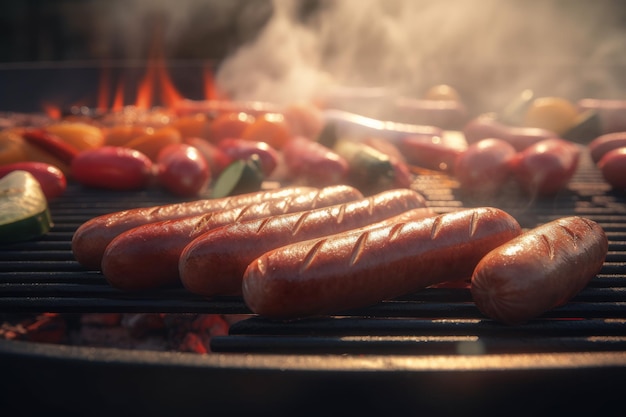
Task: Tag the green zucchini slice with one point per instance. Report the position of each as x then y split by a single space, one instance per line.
24 212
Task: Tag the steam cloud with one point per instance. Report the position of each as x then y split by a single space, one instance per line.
490 50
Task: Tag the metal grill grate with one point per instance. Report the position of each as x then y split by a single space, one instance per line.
42 276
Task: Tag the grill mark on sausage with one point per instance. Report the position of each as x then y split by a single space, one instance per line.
395 231
435 228
203 221
300 222
264 222
473 224
311 255
574 235
317 199
242 213
549 246
341 214
359 248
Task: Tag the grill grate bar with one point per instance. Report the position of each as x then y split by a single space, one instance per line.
42 276
412 345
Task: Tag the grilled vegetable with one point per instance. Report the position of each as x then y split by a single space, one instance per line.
24 212
182 170
368 168
240 177
112 167
50 178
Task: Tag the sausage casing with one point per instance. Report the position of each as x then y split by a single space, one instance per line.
214 263
539 270
147 256
349 270
93 236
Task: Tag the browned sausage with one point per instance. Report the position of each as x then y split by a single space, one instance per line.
93 236
147 256
214 263
539 270
360 268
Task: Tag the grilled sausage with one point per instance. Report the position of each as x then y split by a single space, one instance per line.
93 236
539 270
611 113
360 268
430 152
613 168
214 263
487 126
354 126
147 256
606 143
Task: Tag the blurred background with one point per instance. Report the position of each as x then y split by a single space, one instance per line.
283 50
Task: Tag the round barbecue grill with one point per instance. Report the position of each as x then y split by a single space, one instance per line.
431 352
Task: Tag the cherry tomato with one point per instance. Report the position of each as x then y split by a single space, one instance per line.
182 170
485 166
51 178
613 167
244 149
217 159
546 167
229 125
112 167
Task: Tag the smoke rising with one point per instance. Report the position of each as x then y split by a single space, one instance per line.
490 50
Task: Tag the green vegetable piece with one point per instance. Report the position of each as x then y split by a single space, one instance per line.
24 212
241 176
369 168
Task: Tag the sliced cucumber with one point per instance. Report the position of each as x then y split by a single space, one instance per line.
24 212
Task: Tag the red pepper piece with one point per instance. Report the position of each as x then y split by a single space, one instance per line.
52 144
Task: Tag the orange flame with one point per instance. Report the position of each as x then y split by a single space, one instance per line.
145 89
52 111
155 81
211 92
169 94
118 100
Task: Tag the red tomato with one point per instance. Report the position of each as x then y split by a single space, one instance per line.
52 180
244 149
613 167
112 167
182 170
485 166
217 159
546 167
